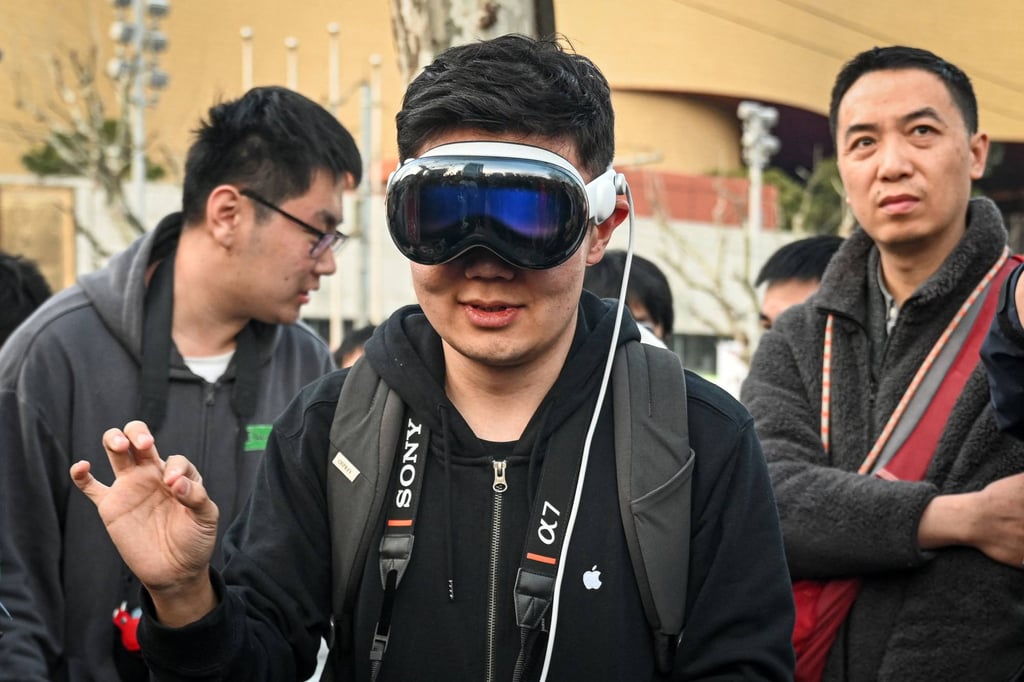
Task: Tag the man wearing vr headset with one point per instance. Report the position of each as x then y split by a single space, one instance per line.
504 197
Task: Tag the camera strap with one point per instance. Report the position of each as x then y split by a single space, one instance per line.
536 579
399 529
538 568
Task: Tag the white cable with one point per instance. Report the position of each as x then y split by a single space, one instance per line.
571 523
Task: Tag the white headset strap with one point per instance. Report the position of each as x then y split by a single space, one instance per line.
600 191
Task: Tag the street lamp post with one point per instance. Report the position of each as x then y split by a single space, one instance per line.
758 146
138 44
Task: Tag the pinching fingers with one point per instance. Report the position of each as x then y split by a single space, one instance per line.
185 481
130 447
142 441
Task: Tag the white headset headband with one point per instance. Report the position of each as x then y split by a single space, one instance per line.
600 191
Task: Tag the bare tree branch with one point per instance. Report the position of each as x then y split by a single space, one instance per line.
92 141
705 273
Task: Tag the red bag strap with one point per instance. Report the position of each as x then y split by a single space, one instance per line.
911 462
950 388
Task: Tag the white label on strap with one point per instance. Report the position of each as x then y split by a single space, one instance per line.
345 466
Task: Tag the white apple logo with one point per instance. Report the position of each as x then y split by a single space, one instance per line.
592 578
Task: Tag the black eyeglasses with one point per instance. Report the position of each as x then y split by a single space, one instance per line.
324 240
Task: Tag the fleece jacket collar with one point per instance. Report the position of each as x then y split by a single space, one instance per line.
980 247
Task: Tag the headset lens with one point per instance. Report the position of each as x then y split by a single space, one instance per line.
531 213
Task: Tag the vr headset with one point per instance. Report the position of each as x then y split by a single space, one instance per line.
527 205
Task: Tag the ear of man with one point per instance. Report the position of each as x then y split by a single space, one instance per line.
224 215
979 145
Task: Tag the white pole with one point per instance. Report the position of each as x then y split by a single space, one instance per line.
292 63
333 102
371 181
138 121
758 146
754 215
246 34
334 68
364 209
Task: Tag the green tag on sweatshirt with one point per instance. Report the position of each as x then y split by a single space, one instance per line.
257 436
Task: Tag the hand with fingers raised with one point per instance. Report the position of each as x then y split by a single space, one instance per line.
161 520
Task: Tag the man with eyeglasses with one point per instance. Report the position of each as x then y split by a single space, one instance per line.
191 328
505 195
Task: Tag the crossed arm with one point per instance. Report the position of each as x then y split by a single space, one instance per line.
991 520
839 523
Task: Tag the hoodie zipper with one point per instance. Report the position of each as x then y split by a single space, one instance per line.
499 486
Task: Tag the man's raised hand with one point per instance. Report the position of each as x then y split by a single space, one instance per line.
161 520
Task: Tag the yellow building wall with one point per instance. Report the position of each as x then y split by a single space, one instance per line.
789 51
674 132
654 52
204 59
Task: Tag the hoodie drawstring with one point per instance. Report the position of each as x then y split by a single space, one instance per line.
449 541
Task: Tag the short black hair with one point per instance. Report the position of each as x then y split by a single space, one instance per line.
804 260
353 340
901 57
647 285
271 140
22 289
512 84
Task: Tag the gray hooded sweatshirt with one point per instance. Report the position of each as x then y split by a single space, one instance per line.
69 373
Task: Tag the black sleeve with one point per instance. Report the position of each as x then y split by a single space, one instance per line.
276 588
1003 355
739 597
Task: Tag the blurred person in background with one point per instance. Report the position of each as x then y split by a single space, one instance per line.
351 347
22 289
648 294
793 273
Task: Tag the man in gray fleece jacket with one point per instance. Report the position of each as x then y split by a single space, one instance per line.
942 593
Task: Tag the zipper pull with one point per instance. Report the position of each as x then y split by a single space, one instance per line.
499 485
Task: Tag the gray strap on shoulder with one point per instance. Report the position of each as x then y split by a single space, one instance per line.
654 469
364 439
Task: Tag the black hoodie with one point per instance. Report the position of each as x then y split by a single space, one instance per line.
446 606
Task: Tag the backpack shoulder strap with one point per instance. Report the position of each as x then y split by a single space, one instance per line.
654 465
364 439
